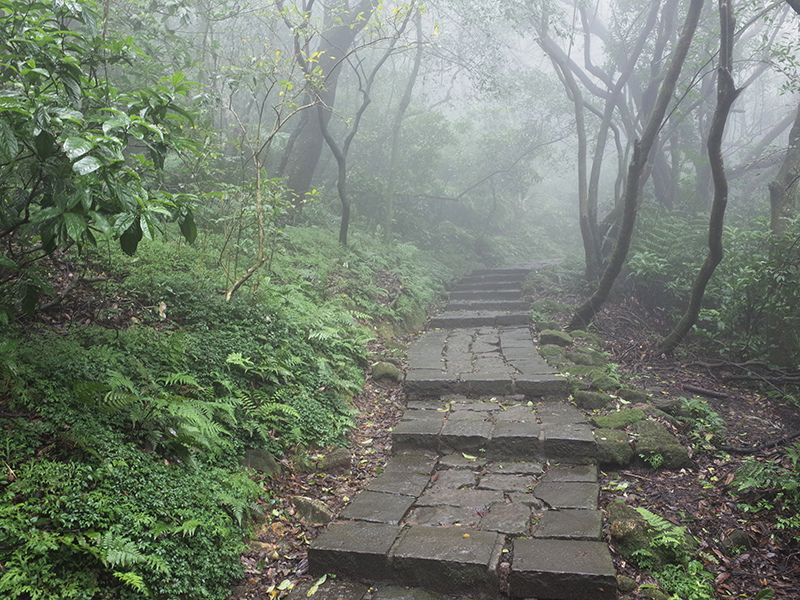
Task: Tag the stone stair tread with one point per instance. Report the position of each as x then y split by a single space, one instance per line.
467 480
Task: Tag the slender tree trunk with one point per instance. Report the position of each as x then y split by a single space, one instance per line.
344 24
641 149
397 126
588 230
726 95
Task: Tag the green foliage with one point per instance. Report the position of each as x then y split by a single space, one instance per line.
129 523
777 485
705 426
79 159
671 558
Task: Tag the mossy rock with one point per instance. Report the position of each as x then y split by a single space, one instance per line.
626 584
628 529
313 511
549 306
587 356
620 419
585 335
651 592
552 336
604 383
545 325
659 447
386 372
589 400
550 350
395 349
613 448
654 413
633 395
260 460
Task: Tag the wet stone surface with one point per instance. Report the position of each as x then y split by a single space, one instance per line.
378 507
571 524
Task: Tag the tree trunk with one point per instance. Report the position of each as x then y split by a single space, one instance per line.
726 95
397 125
586 312
303 154
588 229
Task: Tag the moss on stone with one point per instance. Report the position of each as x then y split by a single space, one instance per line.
613 448
633 395
659 447
589 400
620 419
587 356
552 336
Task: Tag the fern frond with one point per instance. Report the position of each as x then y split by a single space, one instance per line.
116 400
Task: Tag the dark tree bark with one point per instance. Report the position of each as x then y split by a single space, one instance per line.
343 24
726 95
586 312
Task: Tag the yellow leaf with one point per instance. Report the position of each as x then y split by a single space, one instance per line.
469 456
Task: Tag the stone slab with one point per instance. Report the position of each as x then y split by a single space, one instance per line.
507 294
424 415
540 385
378 507
466 435
477 499
473 405
562 570
570 524
506 482
411 463
587 473
429 383
513 318
459 461
520 414
444 516
560 413
426 404
354 549
508 519
332 589
418 434
404 484
525 468
454 479
514 439
390 592
504 305
485 383
569 442
448 559
569 494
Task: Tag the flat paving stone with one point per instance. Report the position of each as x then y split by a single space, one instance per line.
332 589
454 479
378 507
355 549
540 385
527 499
390 592
586 473
570 524
429 383
459 461
448 559
520 414
560 413
525 468
568 494
400 483
426 404
562 570
485 383
514 439
419 434
569 442
443 516
506 483
411 463
424 415
476 499
466 435
508 519
528 366
499 294
473 406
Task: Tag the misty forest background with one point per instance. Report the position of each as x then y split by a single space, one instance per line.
208 209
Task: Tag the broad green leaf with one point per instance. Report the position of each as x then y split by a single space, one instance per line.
123 222
147 227
130 238
75 225
86 165
189 228
101 222
45 214
8 143
76 147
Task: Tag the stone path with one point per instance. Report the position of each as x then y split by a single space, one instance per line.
492 489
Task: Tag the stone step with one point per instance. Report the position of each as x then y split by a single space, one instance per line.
502 305
498 279
507 271
488 430
479 318
485 285
499 294
455 524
